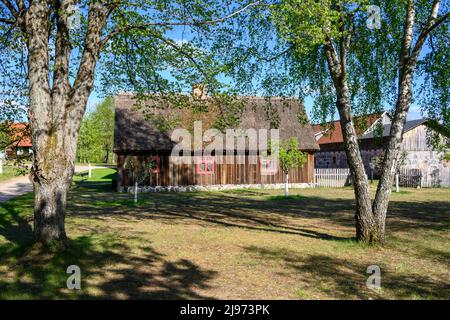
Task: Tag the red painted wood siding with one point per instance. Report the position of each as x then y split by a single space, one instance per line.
172 174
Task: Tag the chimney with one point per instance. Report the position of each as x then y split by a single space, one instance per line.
199 91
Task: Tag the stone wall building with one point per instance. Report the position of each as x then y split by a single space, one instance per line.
417 153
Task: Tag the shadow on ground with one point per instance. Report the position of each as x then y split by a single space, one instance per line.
112 269
304 216
344 279
109 269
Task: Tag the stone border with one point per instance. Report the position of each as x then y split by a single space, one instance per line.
195 188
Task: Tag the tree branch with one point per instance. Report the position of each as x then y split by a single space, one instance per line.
342 42
61 84
36 27
10 7
433 23
333 60
84 81
351 30
20 5
117 31
7 21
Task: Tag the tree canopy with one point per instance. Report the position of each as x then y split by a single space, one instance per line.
278 49
290 156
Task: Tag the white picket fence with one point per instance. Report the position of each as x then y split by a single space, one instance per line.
332 178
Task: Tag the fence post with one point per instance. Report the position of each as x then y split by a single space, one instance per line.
89 170
396 183
1 166
286 185
135 192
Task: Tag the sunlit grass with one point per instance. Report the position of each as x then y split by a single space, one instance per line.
243 244
9 172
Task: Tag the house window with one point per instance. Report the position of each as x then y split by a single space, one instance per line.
268 166
206 165
153 164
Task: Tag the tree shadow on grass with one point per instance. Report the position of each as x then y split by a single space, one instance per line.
109 267
15 226
344 279
109 270
214 209
315 217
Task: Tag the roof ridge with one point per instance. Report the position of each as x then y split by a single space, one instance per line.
131 94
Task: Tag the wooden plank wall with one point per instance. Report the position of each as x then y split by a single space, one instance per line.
172 174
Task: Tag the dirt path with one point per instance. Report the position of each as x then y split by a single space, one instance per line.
17 186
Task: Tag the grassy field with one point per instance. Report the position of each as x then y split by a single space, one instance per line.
8 173
230 245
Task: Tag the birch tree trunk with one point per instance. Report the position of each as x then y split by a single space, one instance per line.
407 63
365 227
370 219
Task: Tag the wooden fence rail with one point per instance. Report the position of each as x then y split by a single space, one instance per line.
332 178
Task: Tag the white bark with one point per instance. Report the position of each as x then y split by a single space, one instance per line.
396 183
286 185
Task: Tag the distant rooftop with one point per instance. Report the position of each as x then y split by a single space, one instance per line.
409 125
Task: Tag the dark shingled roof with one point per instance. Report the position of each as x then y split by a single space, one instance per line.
409 125
133 133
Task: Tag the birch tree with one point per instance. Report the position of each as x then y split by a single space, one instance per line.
353 57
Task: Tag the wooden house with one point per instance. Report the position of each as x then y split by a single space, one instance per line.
18 141
140 140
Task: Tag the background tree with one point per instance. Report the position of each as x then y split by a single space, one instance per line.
333 51
50 51
290 157
96 140
104 121
6 138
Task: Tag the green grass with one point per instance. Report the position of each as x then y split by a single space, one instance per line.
100 164
98 175
100 179
284 198
9 172
246 244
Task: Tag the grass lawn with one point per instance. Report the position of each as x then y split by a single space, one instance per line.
230 245
8 173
